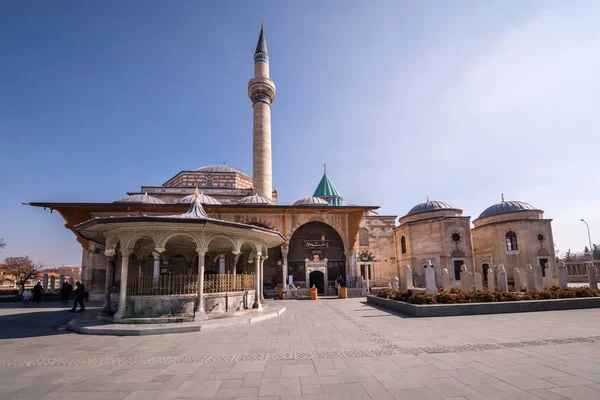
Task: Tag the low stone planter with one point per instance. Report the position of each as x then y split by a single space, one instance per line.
502 307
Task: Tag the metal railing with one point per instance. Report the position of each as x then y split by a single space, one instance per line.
228 283
188 284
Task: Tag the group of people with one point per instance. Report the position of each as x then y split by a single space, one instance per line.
35 295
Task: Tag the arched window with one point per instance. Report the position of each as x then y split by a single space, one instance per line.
363 237
511 241
403 244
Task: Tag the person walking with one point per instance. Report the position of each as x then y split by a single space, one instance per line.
65 291
37 292
79 296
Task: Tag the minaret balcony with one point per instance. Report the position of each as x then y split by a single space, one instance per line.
261 87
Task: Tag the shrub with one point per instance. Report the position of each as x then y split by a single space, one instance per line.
445 298
421 298
384 293
455 290
403 295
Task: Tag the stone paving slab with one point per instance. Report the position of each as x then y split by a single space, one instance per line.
325 349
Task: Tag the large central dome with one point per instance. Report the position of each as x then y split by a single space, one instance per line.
222 168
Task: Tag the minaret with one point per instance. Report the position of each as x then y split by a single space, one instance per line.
261 91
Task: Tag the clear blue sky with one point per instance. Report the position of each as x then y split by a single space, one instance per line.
460 101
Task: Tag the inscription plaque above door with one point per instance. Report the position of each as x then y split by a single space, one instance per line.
316 244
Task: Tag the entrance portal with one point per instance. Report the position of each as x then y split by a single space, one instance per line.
318 279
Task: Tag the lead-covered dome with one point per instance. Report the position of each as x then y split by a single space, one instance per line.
505 207
140 199
429 206
311 201
222 168
255 199
204 199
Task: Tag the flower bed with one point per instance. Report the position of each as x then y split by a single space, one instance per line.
458 296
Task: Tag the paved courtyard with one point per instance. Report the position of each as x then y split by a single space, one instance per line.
328 349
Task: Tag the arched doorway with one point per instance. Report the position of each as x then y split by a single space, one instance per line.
318 280
316 239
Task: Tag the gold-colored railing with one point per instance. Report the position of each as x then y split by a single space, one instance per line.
188 284
228 283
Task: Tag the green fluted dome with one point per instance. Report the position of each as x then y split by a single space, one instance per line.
327 191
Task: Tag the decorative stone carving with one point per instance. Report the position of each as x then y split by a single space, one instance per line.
592 277
430 286
445 280
408 278
502 278
490 278
562 275
530 278
548 279
478 281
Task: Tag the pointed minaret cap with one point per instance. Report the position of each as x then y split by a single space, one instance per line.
261 46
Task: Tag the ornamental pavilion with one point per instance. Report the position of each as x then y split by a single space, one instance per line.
182 291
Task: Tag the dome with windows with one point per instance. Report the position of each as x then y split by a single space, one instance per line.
311 201
204 199
255 199
505 207
222 169
140 199
429 206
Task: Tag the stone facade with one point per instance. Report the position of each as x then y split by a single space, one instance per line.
442 236
204 179
535 244
379 245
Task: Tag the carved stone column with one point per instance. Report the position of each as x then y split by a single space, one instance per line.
284 267
156 269
221 264
257 302
262 279
110 259
122 312
200 301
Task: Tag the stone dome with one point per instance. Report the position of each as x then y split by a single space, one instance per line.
505 207
140 199
222 168
255 199
204 199
429 206
311 201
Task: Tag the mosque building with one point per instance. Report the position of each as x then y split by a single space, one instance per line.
323 237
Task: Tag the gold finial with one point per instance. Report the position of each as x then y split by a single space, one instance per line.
325 168
427 198
196 194
224 162
502 197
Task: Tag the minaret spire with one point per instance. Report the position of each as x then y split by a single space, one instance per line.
261 90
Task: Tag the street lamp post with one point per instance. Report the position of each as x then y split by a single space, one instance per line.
589 238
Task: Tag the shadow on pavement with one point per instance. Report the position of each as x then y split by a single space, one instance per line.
34 320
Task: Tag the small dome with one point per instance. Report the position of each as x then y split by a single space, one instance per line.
429 206
140 199
222 168
311 201
204 199
505 207
255 199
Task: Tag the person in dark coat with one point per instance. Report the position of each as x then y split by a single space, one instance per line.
65 291
79 296
37 292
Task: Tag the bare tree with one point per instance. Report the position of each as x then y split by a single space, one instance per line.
19 270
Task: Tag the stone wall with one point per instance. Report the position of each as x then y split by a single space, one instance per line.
431 239
217 179
489 244
381 245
